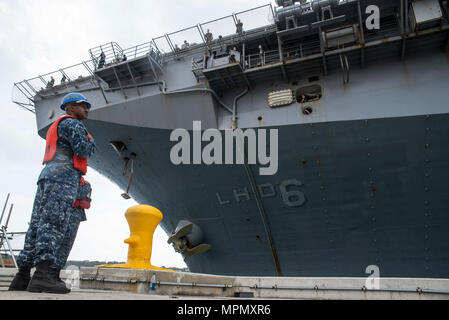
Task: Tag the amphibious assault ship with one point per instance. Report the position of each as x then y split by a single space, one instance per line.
362 115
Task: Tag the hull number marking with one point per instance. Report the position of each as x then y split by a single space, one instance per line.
288 190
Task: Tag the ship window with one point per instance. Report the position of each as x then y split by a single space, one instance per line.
313 79
309 93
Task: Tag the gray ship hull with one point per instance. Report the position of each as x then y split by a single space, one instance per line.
374 193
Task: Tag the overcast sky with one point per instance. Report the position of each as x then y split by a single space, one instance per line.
39 36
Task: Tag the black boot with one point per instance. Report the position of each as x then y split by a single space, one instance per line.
58 278
21 280
45 279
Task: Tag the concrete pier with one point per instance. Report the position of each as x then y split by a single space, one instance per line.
202 285
6 276
124 284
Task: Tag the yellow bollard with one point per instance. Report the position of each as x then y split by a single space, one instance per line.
142 221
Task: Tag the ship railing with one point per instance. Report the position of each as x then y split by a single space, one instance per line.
250 61
261 59
198 67
259 18
304 49
111 53
267 57
197 64
52 83
225 30
106 54
144 49
181 41
255 60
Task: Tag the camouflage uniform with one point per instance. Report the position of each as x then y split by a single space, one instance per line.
76 215
57 192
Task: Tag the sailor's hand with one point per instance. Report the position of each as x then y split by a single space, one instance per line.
89 137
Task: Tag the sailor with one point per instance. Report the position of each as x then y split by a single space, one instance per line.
67 149
51 83
239 27
185 45
232 56
261 56
152 53
102 60
208 37
220 39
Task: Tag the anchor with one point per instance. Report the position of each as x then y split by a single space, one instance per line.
186 239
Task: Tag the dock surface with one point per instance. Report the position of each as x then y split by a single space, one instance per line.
132 284
82 294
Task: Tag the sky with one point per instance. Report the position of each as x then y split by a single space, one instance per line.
40 36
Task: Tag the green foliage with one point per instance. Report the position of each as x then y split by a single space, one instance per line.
92 264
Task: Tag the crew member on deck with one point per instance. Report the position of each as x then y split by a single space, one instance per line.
102 60
208 37
51 83
185 45
239 26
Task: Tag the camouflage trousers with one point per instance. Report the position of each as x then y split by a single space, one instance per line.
50 235
75 218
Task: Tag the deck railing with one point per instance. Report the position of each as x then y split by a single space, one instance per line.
111 53
158 48
189 41
51 83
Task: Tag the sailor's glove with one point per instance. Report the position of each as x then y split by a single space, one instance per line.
84 195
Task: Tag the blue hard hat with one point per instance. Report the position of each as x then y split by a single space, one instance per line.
76 98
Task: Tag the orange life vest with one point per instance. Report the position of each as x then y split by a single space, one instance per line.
50 150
